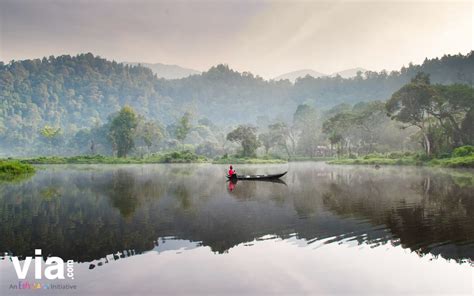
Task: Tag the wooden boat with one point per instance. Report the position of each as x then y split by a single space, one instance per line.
279 181
256 177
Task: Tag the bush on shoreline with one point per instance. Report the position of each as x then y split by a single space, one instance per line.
12 169
247 161
462 157
170 157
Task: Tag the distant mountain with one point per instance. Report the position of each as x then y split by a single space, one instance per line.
292 76
167 71
348 73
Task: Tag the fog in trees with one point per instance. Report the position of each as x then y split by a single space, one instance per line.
83 105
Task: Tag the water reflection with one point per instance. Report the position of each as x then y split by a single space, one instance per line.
89 213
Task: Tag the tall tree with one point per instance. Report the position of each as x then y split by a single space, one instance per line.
338 129
468 126
147 133
267 141
452 105
122 129
275 136
306 121
183 126
413 105
50 134
246 136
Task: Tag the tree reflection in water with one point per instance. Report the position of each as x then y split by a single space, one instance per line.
111 212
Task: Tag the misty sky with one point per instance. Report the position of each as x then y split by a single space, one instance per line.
267 38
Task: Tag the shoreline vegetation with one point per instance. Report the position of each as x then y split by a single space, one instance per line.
11 170
19 169
184 156
453 162
462 157
425 111
170 157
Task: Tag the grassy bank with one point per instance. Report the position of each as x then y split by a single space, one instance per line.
305 158
13 169
244 160
377 160
171 157
460 158
454 162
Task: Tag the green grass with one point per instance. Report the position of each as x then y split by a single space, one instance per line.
10 168
306 158
171 157
246 160
454 162
14 169
379 161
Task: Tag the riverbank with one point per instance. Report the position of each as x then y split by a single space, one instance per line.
232 160
170 157
13 169
453 162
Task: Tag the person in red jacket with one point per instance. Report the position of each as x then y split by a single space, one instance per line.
231 172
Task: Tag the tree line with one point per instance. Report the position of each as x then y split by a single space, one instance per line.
66 101
438 118
435 117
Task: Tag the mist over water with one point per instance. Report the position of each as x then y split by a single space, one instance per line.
87 212
104 217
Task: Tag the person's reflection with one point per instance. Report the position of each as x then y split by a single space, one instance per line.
232 185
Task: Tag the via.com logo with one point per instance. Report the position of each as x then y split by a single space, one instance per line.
54 267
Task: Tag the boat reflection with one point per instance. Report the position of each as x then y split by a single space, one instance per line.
88 214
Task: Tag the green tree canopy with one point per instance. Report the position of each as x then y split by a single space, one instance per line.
50 132
413 104
246 136
183 126
121 131
439 111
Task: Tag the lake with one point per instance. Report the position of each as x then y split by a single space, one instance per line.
182 229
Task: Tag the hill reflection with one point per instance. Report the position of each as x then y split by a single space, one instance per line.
86 213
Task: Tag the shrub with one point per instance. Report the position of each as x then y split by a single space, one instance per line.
181 157
422 157
464 151
373 155
395 155
12 168
444 155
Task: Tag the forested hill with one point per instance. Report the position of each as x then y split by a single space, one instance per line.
71 93
82 91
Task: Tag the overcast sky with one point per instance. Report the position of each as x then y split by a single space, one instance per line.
267 38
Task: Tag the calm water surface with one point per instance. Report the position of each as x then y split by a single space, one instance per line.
182 229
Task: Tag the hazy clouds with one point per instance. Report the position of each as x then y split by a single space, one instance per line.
266 38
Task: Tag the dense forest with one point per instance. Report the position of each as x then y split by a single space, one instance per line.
66 105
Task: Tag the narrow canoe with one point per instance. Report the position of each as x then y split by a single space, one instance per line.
256 177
